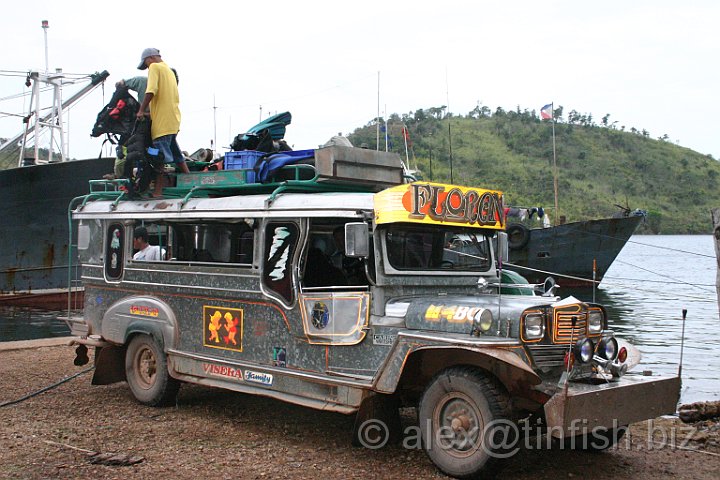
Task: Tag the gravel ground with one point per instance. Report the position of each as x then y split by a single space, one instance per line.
213 433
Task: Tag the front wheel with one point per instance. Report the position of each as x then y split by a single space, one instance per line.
147 372
463 417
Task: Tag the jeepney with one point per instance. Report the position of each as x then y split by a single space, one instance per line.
348 290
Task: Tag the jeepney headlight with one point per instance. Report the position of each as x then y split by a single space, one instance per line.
583 350
534 326
595 321
608 348
482 320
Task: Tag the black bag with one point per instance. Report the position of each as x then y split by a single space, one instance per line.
140 167
118 116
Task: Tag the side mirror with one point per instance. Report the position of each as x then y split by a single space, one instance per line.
503 251
357 240
83 241
549 287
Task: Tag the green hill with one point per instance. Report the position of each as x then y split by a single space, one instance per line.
600 166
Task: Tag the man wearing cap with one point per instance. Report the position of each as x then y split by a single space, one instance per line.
162 96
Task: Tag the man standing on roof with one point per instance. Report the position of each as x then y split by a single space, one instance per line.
162 96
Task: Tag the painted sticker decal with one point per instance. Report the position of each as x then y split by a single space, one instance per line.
279 357
223 328
258 377
222 371
451 313
280 245
320 315
383 339
145 311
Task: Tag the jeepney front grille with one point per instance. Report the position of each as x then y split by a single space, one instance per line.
563 331
545 356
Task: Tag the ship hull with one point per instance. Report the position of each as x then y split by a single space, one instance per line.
34 223
568 252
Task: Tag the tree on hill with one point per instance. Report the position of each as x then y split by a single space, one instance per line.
600 165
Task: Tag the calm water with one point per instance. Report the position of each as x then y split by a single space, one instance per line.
21 323
653 279
645 290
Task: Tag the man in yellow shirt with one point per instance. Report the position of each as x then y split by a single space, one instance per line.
162 96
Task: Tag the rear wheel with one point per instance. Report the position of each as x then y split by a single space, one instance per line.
147 372
463 422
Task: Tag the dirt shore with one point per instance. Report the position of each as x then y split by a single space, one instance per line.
213 433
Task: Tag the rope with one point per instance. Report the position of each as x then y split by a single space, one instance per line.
670 249
695 285
43 390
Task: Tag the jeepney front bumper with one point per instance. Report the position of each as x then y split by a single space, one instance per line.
583 407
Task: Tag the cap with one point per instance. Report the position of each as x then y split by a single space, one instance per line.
148 52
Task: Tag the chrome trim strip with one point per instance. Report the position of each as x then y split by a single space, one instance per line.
185 287
470 342
349 375
185 272
275 370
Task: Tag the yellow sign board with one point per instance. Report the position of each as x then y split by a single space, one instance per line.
440 204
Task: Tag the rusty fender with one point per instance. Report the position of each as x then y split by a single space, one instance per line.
503 363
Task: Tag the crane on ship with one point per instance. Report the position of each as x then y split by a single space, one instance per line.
36 124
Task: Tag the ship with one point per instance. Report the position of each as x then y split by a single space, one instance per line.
575 254
36 192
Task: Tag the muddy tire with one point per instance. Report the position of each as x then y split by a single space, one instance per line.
463 422
147 372
596 441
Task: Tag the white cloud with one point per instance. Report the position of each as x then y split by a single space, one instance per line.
650 65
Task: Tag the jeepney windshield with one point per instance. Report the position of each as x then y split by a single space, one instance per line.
429 247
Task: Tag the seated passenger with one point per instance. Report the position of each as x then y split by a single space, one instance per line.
320 272
145 251
353 269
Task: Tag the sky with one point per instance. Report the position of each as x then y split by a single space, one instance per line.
650 64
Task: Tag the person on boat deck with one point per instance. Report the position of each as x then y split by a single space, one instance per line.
162 96
145 251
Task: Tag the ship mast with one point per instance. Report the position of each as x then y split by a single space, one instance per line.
52 121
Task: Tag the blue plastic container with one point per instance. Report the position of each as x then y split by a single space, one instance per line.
243 160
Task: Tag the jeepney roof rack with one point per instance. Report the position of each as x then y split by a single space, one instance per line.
334 169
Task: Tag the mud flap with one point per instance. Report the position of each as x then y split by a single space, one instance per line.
109 365
377 423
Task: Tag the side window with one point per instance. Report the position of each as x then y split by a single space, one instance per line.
114 251
326 264
212 243
89 242
281 242
150 243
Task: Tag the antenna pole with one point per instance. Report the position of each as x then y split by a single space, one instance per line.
682 342
555 169
447 96
45 26
377 119
214 123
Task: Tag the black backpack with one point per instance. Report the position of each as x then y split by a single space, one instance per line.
117 118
